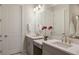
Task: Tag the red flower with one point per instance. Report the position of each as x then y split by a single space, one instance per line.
50 27
44 27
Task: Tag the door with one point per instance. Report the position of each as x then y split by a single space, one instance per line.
11 15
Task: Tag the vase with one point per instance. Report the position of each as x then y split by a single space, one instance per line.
45 38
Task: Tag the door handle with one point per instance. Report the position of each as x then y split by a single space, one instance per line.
5 36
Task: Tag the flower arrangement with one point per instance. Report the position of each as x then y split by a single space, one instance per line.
45 28
50 27
45 36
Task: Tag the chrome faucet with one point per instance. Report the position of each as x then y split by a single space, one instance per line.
65 39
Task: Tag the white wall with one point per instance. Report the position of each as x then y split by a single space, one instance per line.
61 19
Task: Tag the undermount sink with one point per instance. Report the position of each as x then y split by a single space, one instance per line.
75 36
34 36
61 44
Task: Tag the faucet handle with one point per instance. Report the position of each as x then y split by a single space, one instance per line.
63 33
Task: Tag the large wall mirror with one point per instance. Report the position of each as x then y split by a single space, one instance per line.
43 17
61 19
57 16
74 21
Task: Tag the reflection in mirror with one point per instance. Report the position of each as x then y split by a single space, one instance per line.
74 22
55 16
77 25
59 21
74 26
43 17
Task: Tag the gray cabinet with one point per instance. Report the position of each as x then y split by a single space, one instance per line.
0 31
50 50
29 45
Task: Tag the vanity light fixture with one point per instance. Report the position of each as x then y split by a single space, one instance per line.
37 8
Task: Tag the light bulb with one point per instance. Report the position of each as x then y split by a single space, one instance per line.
34 9
76 17
39 6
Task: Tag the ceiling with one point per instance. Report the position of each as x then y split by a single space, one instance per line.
46 5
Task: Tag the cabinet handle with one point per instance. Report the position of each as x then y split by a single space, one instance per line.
0 40
0 51
5 36
0 20
0 35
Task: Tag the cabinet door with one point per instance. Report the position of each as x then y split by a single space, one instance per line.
0 31
29 45
50 50
11 28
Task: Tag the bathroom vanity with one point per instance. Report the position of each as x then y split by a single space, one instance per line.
52 49
29 43
47 49
57 47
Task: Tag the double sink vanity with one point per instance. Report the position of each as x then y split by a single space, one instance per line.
36 45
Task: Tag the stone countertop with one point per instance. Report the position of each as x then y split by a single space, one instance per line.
74 49
38 43
33 36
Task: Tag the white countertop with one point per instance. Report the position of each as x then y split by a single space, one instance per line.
38 43
33 36
71 50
